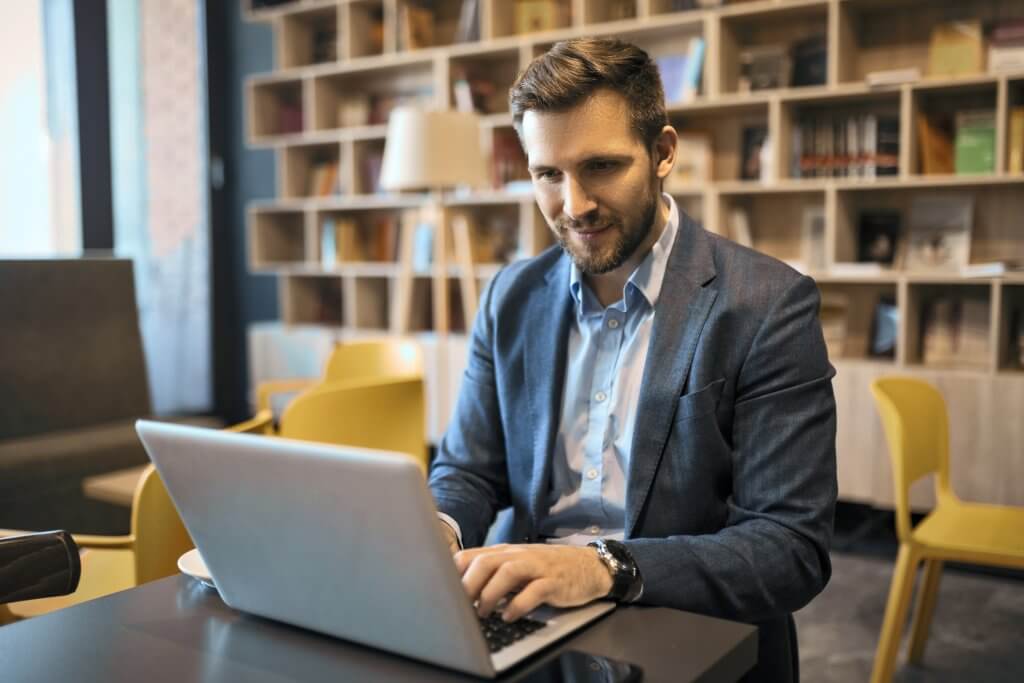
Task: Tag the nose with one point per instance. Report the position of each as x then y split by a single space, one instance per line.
576 202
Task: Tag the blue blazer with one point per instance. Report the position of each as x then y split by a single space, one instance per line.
731 485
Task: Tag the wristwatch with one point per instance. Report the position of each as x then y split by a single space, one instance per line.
626 582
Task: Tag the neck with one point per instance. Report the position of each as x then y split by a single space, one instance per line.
607 287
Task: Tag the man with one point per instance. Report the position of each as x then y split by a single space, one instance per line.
649 388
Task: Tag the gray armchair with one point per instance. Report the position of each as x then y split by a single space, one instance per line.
72 382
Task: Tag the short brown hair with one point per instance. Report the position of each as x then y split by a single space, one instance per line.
574 69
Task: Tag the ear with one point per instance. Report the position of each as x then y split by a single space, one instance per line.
665 151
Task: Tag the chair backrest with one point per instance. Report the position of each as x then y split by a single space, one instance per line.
386 414
916 428
70 350
374 359
160 536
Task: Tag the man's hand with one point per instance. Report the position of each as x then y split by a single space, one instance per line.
557 575
450 536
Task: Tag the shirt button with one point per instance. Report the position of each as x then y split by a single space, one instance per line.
592 473
594 530
600 396
613 323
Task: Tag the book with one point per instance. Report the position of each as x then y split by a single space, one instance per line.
469 22
764 67
739 227
694 161
328 243
672 69
754 140
885 325
1006 47
878 236
887 158
810 61
416 25
975 144
991 268
939 232
323 179
877 79
936 146
692 74
956 48
1016 140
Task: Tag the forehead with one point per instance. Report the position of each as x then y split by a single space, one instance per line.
597 125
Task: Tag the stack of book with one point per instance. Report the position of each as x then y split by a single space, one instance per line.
963 144
1006 47
323 178
956 331
833 146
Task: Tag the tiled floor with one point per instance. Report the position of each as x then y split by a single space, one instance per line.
977 633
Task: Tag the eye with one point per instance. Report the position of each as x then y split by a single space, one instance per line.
602 165
548 174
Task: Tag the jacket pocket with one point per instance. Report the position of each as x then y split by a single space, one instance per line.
699 402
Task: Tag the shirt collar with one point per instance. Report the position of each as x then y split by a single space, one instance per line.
646 280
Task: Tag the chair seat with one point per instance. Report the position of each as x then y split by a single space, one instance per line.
975 532
103 572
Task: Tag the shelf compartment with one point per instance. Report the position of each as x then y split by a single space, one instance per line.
275 108
507 160
949 326
368 301
480 82
312 170
884 35
366 98
733 133
277 238
785 47
311 300
939 146
493 233
855 136
995 230
521 17
787 226
860 321
308 37
347 239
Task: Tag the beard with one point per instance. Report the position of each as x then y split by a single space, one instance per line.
628 232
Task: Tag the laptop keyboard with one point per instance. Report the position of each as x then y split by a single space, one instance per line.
500 635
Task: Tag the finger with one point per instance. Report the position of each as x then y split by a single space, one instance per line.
509 577
535 594
479 572
465 557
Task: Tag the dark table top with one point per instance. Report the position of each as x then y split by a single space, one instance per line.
176 630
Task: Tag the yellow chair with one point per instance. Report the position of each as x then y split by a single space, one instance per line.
370 359
917 431
113 563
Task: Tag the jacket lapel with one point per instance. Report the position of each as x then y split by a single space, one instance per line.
683 307
548 317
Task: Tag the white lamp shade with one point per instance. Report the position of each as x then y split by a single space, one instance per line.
431 150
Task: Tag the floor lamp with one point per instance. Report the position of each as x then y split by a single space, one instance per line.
433 151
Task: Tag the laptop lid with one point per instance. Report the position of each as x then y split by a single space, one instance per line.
340 540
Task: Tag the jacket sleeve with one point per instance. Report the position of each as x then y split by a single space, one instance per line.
468 478
771 558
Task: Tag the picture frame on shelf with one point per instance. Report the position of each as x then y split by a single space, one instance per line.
939 233
878 237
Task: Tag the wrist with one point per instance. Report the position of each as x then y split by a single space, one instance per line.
627 584
602 574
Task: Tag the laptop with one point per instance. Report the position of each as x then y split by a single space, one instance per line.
340 540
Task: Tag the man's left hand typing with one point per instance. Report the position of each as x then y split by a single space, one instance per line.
557 575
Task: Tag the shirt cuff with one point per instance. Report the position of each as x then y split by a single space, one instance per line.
447 519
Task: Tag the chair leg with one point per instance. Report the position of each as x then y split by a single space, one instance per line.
895 614
925 609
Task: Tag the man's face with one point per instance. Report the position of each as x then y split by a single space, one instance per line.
595 182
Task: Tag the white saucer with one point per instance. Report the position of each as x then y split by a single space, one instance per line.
191 564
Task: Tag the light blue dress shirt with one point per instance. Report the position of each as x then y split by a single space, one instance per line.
605 366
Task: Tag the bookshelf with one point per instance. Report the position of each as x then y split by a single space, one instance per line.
341 65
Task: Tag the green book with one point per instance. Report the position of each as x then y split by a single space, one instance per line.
975 145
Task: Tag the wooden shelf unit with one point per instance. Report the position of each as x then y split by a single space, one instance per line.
308 110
